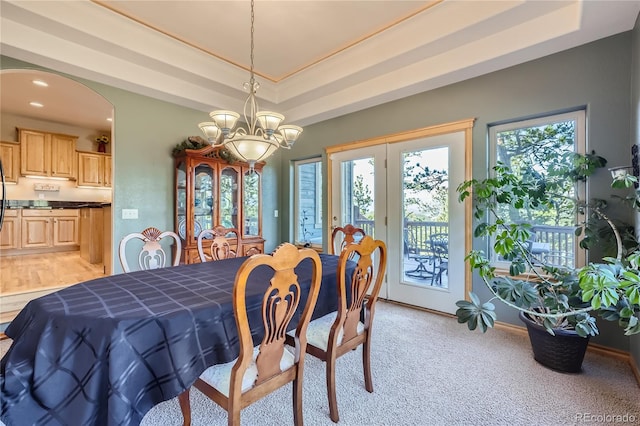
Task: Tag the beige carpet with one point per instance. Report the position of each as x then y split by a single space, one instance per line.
430 370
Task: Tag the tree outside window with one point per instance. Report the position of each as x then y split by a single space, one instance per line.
536 150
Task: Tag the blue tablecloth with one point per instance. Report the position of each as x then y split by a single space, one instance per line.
105 351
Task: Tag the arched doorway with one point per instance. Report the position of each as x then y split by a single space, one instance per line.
49 106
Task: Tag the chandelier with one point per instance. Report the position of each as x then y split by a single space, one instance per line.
263 134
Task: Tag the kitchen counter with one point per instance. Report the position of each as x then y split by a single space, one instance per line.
49 205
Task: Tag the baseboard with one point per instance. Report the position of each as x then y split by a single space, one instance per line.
38 250
634 367
419 308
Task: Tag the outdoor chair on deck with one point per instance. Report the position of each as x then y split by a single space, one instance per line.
440 250
537 250
214 244
340 332
260 370
421 254
152 254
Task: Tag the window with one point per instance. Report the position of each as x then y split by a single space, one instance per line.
534 148
308 202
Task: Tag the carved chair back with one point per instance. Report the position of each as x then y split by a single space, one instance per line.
343 236
216 244
152 254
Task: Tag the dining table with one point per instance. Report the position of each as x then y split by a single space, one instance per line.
105 351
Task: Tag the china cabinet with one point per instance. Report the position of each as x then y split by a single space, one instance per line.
212 189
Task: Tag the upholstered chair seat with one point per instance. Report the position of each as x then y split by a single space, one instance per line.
219 376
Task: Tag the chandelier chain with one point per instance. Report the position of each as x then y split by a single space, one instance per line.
252 78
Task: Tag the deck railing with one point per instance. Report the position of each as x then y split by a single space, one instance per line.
417 234
561 239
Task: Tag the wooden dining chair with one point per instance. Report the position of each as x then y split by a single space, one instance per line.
215 244
342 236
335 334
262 369
152 254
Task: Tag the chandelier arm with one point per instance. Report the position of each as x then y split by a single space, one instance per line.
250 117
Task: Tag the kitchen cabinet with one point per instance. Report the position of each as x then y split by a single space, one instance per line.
211 190
47 154
10 156
91 234
36 231
94 169
10 234
50 229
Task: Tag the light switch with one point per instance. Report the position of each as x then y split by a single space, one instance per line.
275 213
129 213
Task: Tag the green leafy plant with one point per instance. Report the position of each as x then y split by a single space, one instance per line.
197 142
553 296
192 142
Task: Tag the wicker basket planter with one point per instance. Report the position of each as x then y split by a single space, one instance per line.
563 352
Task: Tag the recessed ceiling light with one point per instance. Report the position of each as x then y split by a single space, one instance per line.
109 119
36 104
41 83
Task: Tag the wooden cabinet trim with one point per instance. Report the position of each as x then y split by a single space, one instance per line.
46 131
51 212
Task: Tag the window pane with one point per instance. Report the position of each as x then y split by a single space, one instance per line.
426 216
308 206
251 203
534 150
358 194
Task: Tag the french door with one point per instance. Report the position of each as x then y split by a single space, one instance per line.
404 193
358 194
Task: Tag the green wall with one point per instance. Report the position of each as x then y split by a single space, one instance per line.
596 75
145 132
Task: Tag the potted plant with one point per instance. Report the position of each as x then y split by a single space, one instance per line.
555 302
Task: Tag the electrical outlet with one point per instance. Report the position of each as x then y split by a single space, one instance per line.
129 213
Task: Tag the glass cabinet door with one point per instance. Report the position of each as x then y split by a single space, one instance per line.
229 197
181 198
204 199
251 203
